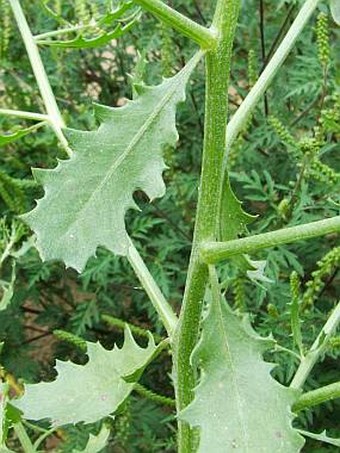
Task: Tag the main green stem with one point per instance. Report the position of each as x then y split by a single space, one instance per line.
207 217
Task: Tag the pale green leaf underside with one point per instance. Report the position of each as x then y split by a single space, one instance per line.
87 196
95 444
335 10
87 393
238 405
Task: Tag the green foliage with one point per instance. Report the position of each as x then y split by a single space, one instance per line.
285 167
87 393
130 159
229 355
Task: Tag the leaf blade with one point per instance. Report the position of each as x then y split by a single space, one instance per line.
106 168
230 357
87 393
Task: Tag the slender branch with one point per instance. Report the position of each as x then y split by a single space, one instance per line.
158 300
239 119
218 62
25 115
23 438
317 349
315 397
213 252
63 31
201 35
45 89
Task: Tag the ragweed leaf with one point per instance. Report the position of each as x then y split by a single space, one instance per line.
237 404
87 393
13 136
87 196
82 42
114 20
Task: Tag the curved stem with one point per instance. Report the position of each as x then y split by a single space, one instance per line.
201 35
45 89
240 118
213 252
207 217
25 115
317 349
157 298
23 438
315 397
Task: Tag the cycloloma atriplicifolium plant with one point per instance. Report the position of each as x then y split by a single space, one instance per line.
226 395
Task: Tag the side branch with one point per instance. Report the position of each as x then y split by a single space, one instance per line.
213 252
317 349
239 119
315 397
201 35
157 298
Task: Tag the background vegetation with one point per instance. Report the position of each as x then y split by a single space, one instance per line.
284 166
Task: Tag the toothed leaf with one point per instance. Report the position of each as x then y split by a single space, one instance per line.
238 405
87 196
95 444
87 393
234 219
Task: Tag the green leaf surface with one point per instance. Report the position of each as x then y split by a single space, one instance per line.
81 42
237 404
335 10
102 37
96 443
234 219
87 393
87 196
13 136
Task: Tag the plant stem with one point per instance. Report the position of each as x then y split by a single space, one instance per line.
240 118
25 115
62 31
213 252
328 393
45 89
207 217
158 300
317 349
201 35
23 438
